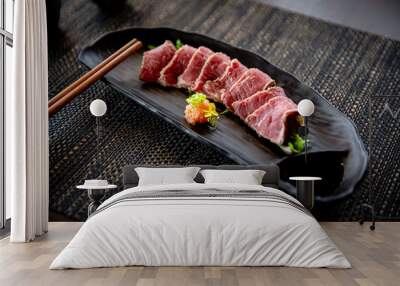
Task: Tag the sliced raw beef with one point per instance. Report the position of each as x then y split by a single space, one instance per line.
213 68
179 62
250 82
192 71
269 121
232 73
155 60
245 107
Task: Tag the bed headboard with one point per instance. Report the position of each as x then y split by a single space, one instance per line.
271 177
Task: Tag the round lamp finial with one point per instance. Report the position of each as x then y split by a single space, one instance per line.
98 107
306 107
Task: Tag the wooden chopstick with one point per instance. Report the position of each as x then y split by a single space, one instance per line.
90 73
70 92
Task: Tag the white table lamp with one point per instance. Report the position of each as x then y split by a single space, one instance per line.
98 108
306 108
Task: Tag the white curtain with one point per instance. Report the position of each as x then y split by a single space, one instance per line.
27 124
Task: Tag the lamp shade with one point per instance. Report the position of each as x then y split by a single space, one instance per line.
306 107
98 107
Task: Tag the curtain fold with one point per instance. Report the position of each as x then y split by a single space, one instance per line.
27 123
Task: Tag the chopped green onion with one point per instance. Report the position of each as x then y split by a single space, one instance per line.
150 47
196 99
211 112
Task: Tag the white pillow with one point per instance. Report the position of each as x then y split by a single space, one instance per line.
166 176
247 177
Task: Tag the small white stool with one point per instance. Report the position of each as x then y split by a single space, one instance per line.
96 195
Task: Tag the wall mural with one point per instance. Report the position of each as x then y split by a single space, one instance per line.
132 133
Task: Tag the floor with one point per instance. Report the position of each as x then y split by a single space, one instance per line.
381 17
375 256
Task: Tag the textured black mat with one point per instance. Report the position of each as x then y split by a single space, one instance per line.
344 65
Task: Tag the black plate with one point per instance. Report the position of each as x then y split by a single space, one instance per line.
337 152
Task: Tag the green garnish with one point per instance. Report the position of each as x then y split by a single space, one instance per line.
208 109
296 143
178 44
196 99
212 121
224 112
211 112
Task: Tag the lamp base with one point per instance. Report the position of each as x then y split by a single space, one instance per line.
372 210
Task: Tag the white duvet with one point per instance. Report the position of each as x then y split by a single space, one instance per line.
200 231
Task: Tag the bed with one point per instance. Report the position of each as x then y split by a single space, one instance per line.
201 224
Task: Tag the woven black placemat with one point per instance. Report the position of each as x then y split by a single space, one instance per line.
344 65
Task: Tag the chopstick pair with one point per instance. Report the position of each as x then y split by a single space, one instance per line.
80 85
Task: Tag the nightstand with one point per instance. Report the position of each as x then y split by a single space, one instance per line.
305 190
96 195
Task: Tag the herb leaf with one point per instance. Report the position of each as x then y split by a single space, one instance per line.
296 143
196 99
150 47
178 44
